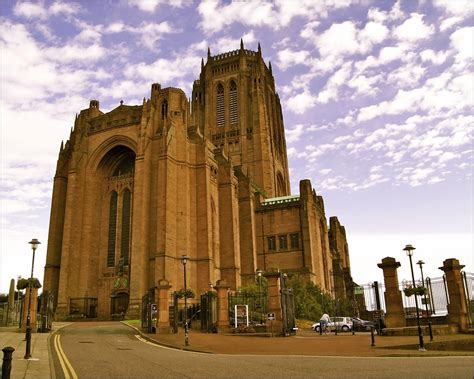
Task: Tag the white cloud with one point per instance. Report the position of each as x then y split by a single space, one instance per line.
151 5
30 10
301 102
414 29
216 16
288 58
294 134
462 41
449 22
346 39
434 57
37 10
455 7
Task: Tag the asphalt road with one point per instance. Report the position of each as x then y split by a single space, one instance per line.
112 350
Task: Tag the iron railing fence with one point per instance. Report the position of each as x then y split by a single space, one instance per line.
437 297
12 316
83 307
468 281
257 306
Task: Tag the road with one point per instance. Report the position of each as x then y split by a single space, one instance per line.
112 350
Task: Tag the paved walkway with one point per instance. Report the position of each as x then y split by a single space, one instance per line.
306 342
38 366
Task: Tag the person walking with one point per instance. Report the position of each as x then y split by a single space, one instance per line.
323 323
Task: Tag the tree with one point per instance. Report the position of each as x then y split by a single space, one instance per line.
24 283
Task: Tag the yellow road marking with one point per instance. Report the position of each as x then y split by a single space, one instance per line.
65 364
61 361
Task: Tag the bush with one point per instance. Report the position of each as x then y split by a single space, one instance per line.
24 283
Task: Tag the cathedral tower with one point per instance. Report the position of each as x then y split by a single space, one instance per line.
235 105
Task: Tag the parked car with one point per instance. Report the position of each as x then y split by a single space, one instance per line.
342 323
359 324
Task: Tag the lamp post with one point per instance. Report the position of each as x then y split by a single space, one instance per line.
184 260
259 279
421 263
409 250
34 245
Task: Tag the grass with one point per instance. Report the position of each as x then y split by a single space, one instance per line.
304 324
136 323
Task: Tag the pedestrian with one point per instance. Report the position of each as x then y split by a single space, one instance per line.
323 323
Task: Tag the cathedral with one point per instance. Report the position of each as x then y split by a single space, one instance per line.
140 186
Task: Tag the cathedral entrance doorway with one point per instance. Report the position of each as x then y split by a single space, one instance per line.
120 303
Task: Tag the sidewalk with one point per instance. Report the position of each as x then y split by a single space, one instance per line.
307 342
38 366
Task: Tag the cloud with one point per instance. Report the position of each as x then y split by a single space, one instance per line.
346 39
287 58
462 41
294 134
301 102
414 29
434 57
216 16
151 5
38 10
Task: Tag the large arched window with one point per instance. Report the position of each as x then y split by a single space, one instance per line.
233 109
220 106
112 230
164 109
125 243
281 188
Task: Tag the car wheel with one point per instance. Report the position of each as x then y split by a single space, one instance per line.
316 329
345 328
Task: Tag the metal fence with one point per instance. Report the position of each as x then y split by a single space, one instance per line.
12 316
468 281
435 303
83 307
257 306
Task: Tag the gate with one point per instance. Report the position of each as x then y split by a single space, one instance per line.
468 281
257 306
173 312
147 301
83 307
288 309
46 311
208 312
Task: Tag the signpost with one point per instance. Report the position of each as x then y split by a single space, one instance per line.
241 315
271 317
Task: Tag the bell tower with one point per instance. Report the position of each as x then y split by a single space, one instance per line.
235 105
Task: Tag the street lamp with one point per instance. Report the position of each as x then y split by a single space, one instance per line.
421 263
34 245
184 260
259 276
409 250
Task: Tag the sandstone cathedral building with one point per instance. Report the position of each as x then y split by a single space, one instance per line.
140 186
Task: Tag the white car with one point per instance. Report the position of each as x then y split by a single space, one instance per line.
342 323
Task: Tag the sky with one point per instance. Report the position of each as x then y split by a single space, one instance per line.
377 101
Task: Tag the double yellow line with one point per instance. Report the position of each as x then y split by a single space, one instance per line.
65 365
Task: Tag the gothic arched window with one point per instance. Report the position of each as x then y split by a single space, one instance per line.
125 243
233 109
220 105
112 230
164 109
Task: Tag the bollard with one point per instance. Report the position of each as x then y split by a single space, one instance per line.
431 330
7 361
372 335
